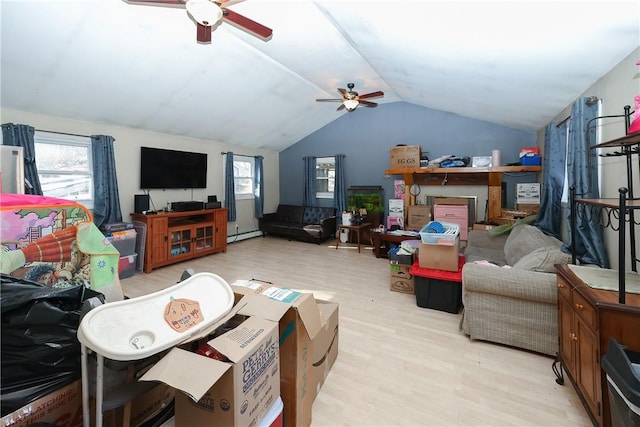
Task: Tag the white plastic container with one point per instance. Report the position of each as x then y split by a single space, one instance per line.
447 237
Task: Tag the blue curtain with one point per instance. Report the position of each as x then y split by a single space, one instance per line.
22 136
582 174
340 190
229 188
106 200
555 143
258 192
309 181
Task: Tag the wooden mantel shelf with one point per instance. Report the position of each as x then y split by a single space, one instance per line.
491 177
500 169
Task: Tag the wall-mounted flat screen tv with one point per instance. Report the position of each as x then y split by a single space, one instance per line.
161 168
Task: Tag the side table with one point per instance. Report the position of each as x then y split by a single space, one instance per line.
383 241
357 228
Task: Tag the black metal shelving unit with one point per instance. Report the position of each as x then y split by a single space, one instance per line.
612 211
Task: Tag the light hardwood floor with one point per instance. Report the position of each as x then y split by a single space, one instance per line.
398 364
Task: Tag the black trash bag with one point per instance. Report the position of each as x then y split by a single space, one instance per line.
40 349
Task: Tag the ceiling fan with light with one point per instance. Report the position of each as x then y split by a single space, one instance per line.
208 13
350 99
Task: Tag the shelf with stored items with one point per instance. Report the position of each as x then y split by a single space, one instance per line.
615 213
490 177
593 304
178 236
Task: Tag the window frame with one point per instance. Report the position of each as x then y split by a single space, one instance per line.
53 138
328 178
245 159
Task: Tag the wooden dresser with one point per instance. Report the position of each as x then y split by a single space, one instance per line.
587 318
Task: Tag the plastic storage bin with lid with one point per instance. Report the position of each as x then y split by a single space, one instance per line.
439 233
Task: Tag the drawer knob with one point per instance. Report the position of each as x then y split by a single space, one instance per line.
579 306
561 286
574 337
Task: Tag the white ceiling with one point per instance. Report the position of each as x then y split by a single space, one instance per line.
514 63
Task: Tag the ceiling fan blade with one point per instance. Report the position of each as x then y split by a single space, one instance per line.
344 92
341 107
372 95
368 103
203 33
247 24
329 100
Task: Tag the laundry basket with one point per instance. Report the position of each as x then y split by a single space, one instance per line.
622 367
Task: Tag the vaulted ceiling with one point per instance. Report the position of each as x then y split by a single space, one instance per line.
514 63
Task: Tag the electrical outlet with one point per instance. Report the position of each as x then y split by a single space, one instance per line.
237 226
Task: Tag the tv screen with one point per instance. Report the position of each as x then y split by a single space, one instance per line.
160 168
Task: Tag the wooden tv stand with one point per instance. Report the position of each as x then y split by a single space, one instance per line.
178 236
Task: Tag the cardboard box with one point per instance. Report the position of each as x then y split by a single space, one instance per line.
418 216
324 345
439 257
400 279
235 393
143 407
61 407
299 323
405 156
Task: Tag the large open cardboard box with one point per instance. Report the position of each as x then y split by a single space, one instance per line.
235 393
308 327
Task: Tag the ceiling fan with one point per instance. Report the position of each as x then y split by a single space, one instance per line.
207 13
350 99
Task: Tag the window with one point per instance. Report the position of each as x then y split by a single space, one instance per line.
65 166
325 177
243 176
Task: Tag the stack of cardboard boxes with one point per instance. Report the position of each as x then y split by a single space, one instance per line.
282 348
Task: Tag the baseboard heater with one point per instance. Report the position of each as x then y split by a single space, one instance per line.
243 236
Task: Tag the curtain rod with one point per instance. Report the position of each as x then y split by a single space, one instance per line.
63 133
236 154
590 101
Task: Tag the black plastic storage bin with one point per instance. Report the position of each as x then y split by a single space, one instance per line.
622 367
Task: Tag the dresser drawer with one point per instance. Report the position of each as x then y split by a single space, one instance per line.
585 310
564 289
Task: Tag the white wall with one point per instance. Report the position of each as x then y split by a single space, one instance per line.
127 152
616 89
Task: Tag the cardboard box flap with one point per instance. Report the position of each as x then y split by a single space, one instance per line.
274 302
261 306
243 339
184 370
310 315
304 302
